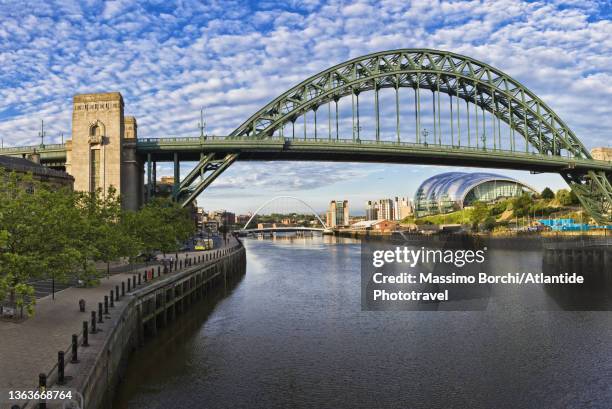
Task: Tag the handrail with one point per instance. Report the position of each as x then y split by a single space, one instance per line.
358 142
38 148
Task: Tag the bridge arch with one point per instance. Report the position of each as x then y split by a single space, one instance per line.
267 202
478 84
453 74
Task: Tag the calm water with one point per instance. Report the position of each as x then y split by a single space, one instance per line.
291 333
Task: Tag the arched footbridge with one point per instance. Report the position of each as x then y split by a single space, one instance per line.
249 226
411 106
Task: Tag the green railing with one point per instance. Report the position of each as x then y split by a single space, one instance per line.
369 142
31 148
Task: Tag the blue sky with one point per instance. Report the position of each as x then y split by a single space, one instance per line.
170 58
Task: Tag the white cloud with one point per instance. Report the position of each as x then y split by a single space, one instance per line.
233 57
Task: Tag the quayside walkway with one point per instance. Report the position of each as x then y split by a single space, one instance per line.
31 347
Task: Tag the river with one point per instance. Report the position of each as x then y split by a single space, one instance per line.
291 334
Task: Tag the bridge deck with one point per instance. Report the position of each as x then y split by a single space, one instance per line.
339 150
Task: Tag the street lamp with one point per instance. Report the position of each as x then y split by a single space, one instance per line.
42 133
425 132
202 125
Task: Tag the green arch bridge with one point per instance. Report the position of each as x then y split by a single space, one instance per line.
412 106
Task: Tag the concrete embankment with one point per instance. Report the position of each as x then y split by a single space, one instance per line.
136 316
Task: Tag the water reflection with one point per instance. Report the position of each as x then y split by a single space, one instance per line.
593 261
292 334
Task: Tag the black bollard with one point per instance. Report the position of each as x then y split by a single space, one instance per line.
134 281
129 285
112 303
100 313
60 368
181 264
85 334
106 305
93 322
158 271
139 278
116 293
74 359
122 288
42 387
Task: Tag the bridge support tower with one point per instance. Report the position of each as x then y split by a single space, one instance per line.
102 151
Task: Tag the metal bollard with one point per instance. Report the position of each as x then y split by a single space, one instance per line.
74 359
129 284
181 264
93 322
158 271
85 334
112 303
106 305
42 387
123 288
134 281
139 278
100 313
60 368
145 278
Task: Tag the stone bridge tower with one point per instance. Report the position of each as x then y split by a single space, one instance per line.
102 152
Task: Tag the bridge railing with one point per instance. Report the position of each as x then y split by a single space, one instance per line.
38 148
275 139
197 139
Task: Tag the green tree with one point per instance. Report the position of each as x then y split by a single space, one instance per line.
522 204
479 213
547 194
567 197
489 223
160 225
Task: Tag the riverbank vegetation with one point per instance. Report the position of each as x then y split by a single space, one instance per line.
510 212
55 233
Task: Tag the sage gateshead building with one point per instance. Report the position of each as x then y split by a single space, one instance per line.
451 191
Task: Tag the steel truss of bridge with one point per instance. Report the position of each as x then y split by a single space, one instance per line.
490 120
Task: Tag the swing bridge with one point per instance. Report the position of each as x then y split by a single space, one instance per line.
407 106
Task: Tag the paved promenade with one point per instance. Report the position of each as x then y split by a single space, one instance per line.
30 347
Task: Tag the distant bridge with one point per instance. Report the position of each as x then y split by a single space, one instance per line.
476 116
283 228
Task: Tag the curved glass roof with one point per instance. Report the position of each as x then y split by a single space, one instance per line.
454 186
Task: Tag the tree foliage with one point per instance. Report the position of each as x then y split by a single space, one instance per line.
479 213
566 197
547 194
51 232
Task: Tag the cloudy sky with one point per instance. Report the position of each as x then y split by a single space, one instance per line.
170 58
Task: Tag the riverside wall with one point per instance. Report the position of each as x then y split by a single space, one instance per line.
137 316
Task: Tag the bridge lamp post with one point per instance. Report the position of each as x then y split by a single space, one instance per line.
202 125
425 132
42 133
357 130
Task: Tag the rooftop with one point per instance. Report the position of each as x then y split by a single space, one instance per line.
25 165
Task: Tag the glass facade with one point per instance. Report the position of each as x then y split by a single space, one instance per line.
451 191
